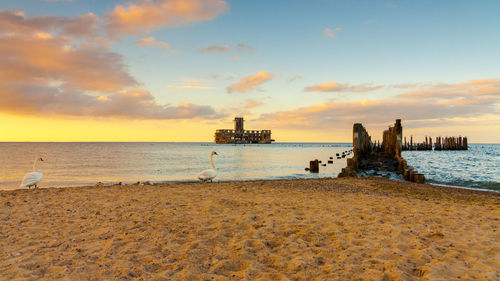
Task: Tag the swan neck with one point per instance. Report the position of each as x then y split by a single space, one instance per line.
212 161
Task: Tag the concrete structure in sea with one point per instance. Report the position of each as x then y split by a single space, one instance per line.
241 136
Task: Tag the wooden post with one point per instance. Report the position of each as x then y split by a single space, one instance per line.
412 175
314 166
420 178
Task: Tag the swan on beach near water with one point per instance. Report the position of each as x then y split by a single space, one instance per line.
209 174
33 178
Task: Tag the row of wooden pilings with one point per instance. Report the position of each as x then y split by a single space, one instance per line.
314 164
409 173
446 143
451 143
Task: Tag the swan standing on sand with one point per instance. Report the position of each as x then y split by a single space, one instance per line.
32 178
209 174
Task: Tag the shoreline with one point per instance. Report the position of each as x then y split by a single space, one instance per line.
335 229
150 183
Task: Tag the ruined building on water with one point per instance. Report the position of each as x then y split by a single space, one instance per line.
240 135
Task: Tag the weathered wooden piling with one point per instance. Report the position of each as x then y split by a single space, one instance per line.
314 166
451 143
387 157
392 138
420 178
446 143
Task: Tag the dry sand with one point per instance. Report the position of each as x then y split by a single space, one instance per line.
328 229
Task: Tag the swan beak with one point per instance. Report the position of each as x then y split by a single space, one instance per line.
215 153
41 159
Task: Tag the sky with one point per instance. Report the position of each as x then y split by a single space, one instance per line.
177 70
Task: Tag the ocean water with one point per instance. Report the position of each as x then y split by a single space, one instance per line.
77 164
477 167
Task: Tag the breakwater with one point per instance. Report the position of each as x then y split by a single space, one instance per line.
441 143
314 164
379 157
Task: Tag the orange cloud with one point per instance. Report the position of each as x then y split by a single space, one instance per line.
151 42
12 21
42 61
215 49
334 114
182 87
295 77
42 35
54 75
145 15
342 87
191 84
469 89
331 33
472 99
250 82
243 109
43 100
252 104
139 103
242 47
480 94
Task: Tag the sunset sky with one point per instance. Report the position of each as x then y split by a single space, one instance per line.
177 70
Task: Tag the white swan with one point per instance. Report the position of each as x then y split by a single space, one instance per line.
34 177
209 174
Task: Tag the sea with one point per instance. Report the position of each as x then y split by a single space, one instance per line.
80 164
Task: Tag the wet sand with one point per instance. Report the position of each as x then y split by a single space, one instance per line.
325 229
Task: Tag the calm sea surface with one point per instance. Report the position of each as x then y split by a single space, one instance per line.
76 164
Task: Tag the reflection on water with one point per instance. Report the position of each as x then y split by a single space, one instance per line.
73 164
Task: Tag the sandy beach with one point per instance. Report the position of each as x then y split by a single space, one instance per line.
325 229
